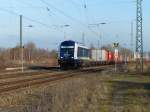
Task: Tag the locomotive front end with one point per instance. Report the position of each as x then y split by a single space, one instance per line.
66 54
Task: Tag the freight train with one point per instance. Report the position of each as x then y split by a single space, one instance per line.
75 55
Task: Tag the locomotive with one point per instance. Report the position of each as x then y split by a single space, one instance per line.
72 54
75 55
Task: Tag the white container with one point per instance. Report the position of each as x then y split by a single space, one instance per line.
104 55
99 55
96 55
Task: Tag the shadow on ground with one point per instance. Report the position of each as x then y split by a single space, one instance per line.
42 68
130 93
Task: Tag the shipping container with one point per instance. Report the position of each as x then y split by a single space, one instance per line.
95 54
110 56
104 55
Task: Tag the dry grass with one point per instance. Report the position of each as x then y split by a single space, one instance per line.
132 67
76 95
95 92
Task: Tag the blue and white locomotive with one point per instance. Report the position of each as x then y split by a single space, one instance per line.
73 54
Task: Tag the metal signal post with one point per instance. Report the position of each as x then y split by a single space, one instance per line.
139 37
115 46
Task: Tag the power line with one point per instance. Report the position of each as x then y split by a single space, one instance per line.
88 18
43 24
35 7
75 3
16 14
60 11
66 15
27 3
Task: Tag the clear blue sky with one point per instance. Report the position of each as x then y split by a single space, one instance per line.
118 15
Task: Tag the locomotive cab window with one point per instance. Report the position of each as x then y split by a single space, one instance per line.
82 52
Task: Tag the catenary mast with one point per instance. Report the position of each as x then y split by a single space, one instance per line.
139 37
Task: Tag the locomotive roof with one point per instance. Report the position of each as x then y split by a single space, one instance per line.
68 42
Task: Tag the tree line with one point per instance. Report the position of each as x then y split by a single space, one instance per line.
31 54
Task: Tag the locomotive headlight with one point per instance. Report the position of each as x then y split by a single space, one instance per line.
72 57
61 57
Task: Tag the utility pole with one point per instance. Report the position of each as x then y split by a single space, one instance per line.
21 44
139 37
64 26
100 36
64 35
83 38
132 39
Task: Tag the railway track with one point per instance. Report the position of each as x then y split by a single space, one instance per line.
29 69
22 74
9 86
28 80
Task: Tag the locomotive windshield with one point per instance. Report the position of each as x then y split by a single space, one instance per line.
67 52
67 49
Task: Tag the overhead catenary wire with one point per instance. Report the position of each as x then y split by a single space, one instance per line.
28 4
60 11
88 18
27 18
85 11
75 3
68 16
30 19
50 6
50 13
25 5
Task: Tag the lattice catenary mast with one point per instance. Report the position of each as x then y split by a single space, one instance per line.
139 37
